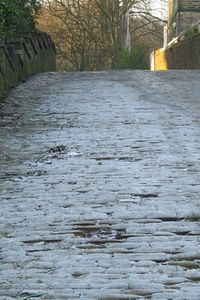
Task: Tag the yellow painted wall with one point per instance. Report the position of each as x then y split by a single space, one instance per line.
184 54
159 60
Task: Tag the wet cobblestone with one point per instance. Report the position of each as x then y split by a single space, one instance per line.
100 187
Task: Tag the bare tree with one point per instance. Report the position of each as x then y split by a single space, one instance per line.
89 33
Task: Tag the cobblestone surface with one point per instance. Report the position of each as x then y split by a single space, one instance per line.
100 187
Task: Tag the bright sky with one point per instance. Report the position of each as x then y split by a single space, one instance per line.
160 7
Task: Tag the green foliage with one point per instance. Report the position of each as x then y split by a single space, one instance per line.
192 31
137 58
17 16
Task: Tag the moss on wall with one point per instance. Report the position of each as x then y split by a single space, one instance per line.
2 89
24 56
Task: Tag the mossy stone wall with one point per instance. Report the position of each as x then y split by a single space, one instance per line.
23 56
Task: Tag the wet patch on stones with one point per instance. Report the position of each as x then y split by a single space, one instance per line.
9 175
145 195
29 295
77 274
185 264
57 149
187 232
55 152
37 173
194 279
193 218
99 234
12 176
129 297
118 158
45 241
171 219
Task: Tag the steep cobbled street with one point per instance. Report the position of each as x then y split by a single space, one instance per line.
100 187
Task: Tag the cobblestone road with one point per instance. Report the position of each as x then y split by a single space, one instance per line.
100 187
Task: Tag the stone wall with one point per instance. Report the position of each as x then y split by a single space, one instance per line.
184 54
24 56
182 15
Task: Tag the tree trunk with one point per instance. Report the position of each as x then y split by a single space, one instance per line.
126 39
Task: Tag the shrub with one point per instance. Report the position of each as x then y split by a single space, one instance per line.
17 16
137 58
